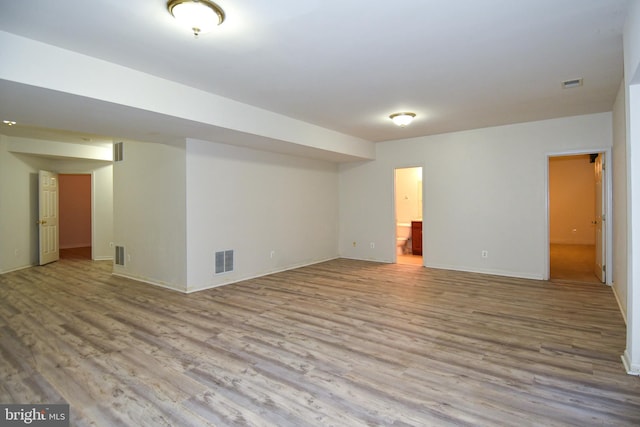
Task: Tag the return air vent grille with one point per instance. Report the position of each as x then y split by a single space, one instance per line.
568 84
224 261
118 151
119 255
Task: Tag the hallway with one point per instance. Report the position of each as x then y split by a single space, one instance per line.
573 263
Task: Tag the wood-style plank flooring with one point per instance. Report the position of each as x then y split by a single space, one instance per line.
409 259
83 252
572 262
341 343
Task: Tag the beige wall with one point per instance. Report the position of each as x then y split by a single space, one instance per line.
571 200
149 200
275 211
619 181
484 190
20 160
18 208
632 101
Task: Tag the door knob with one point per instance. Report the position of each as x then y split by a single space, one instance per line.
41 222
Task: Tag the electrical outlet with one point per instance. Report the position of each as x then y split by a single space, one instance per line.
272 254
485 254
372 245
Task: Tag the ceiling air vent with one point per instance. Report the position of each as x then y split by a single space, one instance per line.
569 84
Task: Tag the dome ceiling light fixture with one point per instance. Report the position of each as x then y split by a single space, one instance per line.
201 16
402 119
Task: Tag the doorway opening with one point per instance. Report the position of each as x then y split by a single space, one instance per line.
75 216
408 209
576 206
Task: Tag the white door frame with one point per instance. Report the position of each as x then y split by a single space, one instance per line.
608 225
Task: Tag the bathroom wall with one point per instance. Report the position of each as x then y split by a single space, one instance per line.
408 195
571 200
75 211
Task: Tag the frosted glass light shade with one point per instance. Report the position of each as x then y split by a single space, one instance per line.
402 119
201 16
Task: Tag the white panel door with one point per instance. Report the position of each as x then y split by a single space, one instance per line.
599 265
48 212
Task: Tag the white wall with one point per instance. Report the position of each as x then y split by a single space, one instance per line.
619 178
484 189
18 208
19 197
75 73
149 213
102 228
275 211
631 356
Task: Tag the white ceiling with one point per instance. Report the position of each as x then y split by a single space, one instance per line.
347 64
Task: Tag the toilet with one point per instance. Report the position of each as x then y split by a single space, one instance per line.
403 238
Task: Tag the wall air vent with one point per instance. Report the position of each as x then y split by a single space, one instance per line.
119 256
118 151
224 261
568 84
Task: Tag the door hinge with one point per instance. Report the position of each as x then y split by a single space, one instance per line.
604 268
603 217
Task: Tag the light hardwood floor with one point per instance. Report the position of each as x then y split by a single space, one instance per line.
76 253
409 259
572 262
341 343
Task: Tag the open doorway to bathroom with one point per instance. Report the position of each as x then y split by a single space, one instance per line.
408 208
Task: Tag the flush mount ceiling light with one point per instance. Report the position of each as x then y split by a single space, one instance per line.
9 122
402 119
200 16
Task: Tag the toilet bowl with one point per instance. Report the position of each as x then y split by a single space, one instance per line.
403 238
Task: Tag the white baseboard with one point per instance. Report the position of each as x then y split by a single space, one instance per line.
622 311
266 273
149 281
493 272
18 268
628 366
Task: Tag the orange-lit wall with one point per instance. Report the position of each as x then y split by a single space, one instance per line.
75 211
571 200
